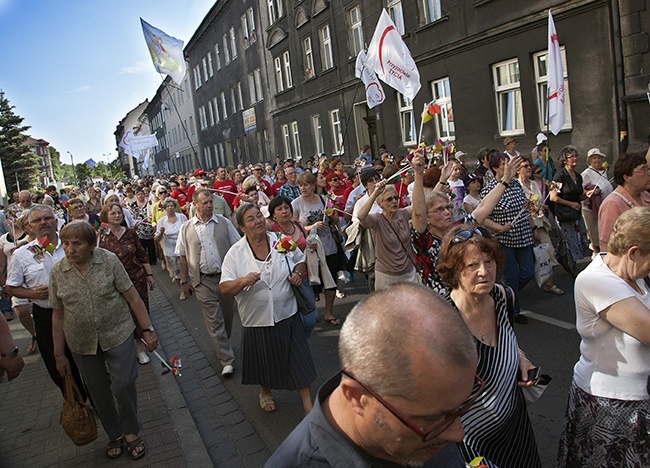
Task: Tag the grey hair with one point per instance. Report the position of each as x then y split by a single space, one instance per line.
39 207
242 211
386 330
389 187
434 196
169 200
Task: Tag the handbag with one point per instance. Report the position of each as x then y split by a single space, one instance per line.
76 418
304 295
543 266
532 394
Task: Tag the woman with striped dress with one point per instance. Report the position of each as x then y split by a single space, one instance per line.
497 426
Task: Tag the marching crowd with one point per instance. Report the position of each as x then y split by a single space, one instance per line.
421 229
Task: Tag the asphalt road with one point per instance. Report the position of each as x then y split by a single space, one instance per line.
549 339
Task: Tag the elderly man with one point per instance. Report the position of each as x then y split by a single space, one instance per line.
25 200
406 378
290 189
202 245
28 277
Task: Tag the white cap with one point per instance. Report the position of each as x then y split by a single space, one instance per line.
595 151
541 138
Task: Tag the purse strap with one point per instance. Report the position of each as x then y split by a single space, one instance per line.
401 243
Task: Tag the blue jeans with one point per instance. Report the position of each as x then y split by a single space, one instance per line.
519 269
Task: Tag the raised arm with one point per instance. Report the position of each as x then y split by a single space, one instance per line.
488 203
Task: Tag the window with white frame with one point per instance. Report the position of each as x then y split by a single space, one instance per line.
279 81
206 155
309 58
258 84
356 28
215 104
197 77
283 71
192 125
204 61
240 98
211 113
224 109
210 68
248 27
396 14
202 120
337 131
318 133
286 63
226 53
407 120
251 88
444 121
232 100
233 43
541 79
296 140
507 90
286 140
432 10
276 10
217 54
327 57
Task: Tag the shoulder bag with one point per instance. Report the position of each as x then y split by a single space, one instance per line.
304 295
76 418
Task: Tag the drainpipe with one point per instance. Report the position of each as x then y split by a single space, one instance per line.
620 77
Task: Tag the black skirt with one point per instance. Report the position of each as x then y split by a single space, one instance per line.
277 357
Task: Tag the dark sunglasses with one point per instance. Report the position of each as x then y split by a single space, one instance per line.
390 199
465 234
435 430
335 179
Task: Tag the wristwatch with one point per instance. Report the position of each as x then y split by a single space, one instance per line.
11 354
182 282
149 329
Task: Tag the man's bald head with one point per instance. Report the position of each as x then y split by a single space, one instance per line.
385 332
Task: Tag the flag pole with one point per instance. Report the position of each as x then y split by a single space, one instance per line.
178 114
424 109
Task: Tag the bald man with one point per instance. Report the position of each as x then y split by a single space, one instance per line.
408 372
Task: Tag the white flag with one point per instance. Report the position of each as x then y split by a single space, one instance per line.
374 91
555 73
389 57
166 52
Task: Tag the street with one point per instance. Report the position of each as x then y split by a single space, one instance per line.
549 339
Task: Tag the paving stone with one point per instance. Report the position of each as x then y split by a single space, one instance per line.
250 444
241 430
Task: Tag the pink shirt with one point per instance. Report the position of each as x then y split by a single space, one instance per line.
616 203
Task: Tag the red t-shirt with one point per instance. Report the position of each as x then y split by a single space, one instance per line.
183 195
227 185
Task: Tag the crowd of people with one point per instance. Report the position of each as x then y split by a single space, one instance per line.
421 229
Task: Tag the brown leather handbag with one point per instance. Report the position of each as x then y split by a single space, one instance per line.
76 418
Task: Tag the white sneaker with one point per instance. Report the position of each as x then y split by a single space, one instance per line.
227 370
143 358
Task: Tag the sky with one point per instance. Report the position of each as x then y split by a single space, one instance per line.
73 69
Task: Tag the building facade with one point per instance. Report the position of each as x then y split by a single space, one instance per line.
41 148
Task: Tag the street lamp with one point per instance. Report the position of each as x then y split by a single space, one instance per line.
74 173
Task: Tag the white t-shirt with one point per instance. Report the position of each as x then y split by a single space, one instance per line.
471 201
612 363
171 232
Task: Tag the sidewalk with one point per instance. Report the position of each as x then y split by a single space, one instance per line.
191 421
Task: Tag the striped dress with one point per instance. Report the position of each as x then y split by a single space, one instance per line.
497 426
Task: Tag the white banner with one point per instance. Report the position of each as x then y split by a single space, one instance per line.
555 73
132 143
374 91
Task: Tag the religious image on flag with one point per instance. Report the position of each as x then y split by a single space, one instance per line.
389 57
374 91
555 74
166 52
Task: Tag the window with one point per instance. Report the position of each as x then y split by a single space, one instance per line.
217 54
296 140
356 30
318 133
197 77
215 104
206 155
210 68
337 134
541 78
233 44
278 74
326 52
258 84
240 98
204 61
444 122
309 58
510 112
232 100
287 69
251 88
286 141
202 120
432 10
396 14
211 113
283 72
224 109
248 28
192 125
407 120
226 53
275 10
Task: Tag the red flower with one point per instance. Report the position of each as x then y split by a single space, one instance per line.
286 243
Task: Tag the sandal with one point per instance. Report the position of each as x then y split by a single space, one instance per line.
136 448
33 346
340 294
333 321
114 448
267 404
554 290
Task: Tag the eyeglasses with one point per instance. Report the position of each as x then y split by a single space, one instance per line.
435 430
160 192
182 180
537 173
465 234
335 179
442 209
391 199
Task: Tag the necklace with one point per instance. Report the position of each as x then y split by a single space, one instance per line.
292 232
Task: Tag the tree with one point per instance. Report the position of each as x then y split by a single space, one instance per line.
17 160
55 158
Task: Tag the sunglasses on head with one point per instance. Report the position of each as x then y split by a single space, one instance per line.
466 234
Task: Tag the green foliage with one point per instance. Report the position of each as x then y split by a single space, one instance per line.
17 160
55 158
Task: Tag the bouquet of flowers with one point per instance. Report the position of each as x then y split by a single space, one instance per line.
103 231
534 206
285 245
173 365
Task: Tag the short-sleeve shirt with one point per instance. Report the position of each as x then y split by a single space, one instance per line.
616 203
171 232
393 250
505 211
94 308
308 214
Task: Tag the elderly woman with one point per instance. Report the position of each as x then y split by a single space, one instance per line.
141 210
77 212
91 295
274 346
94 202
127 220
253 194
497 426
432 220
594 179
310 210
167 230
124 243
633 179
568 207
608 412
